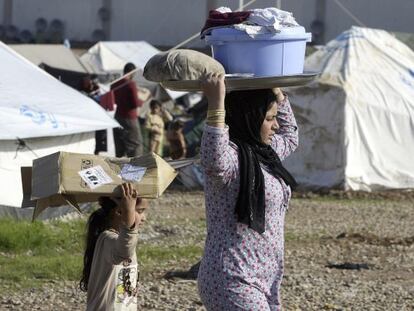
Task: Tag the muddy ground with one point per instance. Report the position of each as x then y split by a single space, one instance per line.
343 252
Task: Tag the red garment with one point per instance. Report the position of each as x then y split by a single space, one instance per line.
216 19
126 99
107 101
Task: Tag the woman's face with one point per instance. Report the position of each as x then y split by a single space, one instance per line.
270 125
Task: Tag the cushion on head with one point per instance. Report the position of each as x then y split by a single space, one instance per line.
180 65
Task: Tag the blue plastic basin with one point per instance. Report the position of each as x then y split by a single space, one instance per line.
264 55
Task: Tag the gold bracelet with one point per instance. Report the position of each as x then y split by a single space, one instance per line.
220 119
215 123
216 112
216 116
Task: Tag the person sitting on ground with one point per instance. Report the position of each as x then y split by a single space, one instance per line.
154 123
110 272
176 140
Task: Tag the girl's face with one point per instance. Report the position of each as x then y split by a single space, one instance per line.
270 125
140 209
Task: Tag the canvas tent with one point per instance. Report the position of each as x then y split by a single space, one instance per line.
57 60
54 55
356 122
39 115
111 57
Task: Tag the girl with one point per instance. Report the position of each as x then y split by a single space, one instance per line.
110 273
155 125
247 191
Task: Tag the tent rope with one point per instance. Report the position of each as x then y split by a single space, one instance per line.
21 145
173 48
349 13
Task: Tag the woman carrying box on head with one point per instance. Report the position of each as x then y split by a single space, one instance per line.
247 192
110 272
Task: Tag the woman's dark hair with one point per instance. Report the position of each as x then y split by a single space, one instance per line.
246 111
98 222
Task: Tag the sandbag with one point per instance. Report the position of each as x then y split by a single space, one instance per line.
179 65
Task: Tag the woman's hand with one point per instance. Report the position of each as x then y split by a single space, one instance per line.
214 89
279 94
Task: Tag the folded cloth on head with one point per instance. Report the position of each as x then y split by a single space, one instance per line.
272 18
179 65
219 19
254 22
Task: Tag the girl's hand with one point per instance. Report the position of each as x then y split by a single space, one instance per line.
127 204
214 89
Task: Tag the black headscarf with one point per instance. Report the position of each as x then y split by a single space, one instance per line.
245 113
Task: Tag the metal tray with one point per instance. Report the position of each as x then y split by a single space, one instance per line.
245 83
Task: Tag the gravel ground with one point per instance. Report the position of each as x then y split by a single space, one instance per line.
370 235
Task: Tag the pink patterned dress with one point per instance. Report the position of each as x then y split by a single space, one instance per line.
242 269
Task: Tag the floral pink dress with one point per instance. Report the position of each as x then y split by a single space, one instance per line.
242 269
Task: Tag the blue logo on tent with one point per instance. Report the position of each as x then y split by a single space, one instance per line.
38 116
411 71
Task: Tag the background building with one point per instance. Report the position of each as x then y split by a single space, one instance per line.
169 22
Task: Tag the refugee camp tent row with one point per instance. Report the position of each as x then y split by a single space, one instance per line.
39 115
356 122
110 57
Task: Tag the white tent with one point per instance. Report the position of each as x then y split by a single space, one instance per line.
111 57
356 123
39 115
53 55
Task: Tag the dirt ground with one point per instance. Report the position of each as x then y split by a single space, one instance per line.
343 252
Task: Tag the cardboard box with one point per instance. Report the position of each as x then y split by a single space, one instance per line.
71 178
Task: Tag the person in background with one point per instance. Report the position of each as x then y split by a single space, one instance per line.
154 123
90 88
110 273
247 193
176 140
128 139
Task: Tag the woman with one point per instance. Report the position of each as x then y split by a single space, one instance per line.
247 194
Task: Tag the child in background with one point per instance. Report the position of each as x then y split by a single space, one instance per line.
155 125
176 140
110 273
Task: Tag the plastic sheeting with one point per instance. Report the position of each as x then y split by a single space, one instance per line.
34 104
356 123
